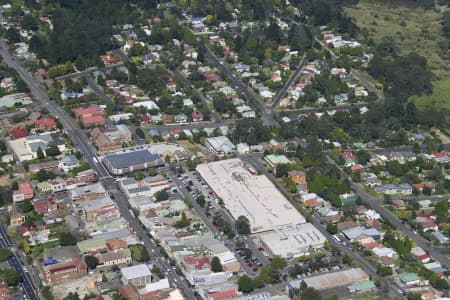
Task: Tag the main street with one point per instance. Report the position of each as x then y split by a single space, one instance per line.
81 141
16 264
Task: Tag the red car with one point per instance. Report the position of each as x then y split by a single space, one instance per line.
250 265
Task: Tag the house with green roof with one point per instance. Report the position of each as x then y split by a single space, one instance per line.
361 287
409 279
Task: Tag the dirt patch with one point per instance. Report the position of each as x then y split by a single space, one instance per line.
4 180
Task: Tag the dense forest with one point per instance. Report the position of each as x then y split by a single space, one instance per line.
82 29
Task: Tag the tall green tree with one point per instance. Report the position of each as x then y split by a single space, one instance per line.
216 266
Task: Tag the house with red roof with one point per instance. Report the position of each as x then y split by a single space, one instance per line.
66 271
196 116
5 291
108 59
129 292
348 155
45 124
41 206
171 86
26 189
223 295
91 116
357 168
196 263
175 132
166 118
18 133
144 119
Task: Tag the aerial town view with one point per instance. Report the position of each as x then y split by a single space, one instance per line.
224 149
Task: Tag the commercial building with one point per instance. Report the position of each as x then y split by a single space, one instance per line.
90 116
275 160
292 241
63 272
125 162
26 148
220 145
252 196
138 275
332 280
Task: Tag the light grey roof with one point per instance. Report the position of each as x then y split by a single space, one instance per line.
128 159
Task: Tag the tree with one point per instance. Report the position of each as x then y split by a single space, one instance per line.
281 170
245 284
201 200
441 211
152 172
139 253
184 222
384 271
72 296
40 153
216 266
414 296
47 293
161 195
104 278
15 186
309 293
140 133
26 206
91 261
347 259
12 278
278 263
242 225
363 157
416 149
4 254
67 239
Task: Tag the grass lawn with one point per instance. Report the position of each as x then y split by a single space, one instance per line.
439 99
415 29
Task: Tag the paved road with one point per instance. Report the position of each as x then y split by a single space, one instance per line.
108 101
15 263
87 71
290 81
296 112
134 223
82 143
180 78
198 125
355 73
255 160
376 204
267 115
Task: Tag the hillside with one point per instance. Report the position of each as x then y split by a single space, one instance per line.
412 29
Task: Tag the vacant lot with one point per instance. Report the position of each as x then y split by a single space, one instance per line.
415 30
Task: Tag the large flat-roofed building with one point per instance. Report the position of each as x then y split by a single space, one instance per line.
125 162
293 241
252 196
332 280
138 275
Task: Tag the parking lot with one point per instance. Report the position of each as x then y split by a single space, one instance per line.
214 216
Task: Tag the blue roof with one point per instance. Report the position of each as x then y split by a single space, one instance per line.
153 132
49 261
128 159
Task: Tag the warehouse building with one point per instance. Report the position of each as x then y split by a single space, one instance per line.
126 162
292 241
332 280
249 195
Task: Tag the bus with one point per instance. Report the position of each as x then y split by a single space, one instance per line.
337 238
